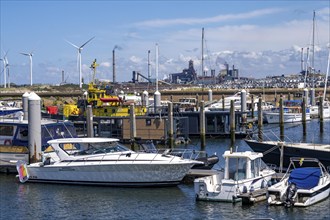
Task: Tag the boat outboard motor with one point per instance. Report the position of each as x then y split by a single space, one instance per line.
290 192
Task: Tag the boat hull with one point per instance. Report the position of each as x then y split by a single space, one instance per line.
303 198
290 150
116 174
274 118
9 155
215 188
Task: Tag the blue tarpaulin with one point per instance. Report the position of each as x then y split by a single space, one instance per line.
306 177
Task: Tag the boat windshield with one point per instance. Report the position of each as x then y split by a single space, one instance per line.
76 149
237 168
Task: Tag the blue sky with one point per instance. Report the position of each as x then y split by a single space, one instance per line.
260 38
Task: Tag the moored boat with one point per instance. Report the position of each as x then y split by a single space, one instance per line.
292 112
243 173
103 161
272 153
305 183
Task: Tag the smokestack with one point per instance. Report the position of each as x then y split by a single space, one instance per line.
62 76
113 66
302 60
149 74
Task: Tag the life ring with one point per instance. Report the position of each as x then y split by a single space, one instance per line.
7 142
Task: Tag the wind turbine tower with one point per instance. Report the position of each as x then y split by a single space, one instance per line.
5 65
29 55
79 57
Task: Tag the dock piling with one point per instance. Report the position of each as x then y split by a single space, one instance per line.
232 124
132 125
170 125
89 121
260 120
321 114
304 115
202 125
34 127
281 122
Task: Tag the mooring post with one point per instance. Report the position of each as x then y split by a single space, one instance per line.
210 95
170 125
321 114
34 127
260 120
281 118
232 124
281 145
304 115
25 105
243 106
202 124
89 121
197 102
132 126
252 106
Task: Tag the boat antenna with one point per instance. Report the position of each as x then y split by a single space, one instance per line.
203 63
156 67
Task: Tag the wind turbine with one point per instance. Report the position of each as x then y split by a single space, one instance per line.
29 55
79 56
5 65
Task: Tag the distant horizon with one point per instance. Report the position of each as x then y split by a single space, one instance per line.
261 38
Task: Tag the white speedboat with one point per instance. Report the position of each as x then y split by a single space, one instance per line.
103 161
304 184
244 172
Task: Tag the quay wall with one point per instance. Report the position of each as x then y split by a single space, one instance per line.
168 94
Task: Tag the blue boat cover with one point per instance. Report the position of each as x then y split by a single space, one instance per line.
306 177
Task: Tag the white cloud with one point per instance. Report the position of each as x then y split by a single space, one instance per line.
105 64
135 59
156 23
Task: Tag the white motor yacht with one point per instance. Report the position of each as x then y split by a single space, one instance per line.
244 172
104 161
305 183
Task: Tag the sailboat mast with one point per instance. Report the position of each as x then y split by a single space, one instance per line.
203 53
313 48
326 77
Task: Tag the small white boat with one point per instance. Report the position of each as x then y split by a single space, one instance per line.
103 161
244 172
304 184
8 108
292 112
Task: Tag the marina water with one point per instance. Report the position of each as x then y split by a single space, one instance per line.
50 201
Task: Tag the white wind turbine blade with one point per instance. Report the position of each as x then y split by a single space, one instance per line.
30 56
72 44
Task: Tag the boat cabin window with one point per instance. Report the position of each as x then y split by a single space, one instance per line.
255 167
93 148
6 130
22 134
237 168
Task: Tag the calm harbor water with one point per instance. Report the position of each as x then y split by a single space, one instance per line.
47 201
